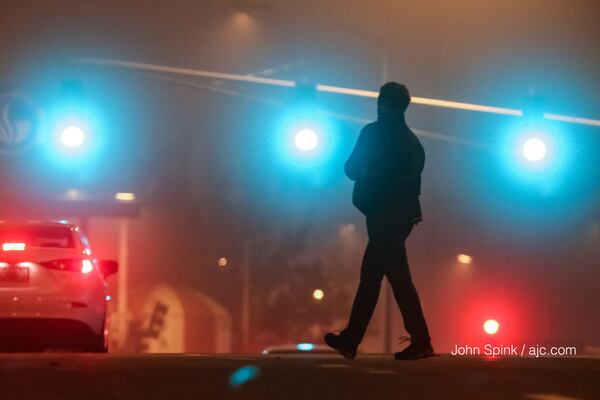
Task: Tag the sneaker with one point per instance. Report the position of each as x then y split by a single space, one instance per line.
415 352
338 343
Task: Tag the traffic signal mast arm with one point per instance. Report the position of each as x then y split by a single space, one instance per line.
326 88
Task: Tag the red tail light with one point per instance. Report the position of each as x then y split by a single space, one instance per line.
86 266
13 246
73 264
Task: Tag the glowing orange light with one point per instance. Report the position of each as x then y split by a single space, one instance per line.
491 326
124 196
464 259
318 294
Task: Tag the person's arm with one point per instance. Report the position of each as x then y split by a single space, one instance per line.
357 162
419 155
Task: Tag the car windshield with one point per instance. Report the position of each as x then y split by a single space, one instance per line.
37 236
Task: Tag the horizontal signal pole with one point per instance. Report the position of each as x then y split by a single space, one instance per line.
424 101
328 89
187 72
572 120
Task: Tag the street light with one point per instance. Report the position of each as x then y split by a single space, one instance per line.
124 196
464 259
318 294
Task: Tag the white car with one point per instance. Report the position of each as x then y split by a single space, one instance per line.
53 292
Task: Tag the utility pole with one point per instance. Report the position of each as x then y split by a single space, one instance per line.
245 328
122 306
387 293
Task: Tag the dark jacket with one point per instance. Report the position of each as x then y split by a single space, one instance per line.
386 165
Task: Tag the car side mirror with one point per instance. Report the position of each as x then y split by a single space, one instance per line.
108 267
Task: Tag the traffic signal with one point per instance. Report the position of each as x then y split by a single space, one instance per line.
537 142
72 124
306 138
73 135
536 151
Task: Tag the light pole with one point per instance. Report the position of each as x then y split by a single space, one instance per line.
122 286
387 292
387 329
245 293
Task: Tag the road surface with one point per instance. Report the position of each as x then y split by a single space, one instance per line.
113 376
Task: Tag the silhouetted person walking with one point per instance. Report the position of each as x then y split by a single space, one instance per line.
386 165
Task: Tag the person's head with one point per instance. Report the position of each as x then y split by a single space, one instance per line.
393 98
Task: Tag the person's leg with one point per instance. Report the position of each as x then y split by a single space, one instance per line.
396 267
366 297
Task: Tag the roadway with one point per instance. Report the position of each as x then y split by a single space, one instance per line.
139 376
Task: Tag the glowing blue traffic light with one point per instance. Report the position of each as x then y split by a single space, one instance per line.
536 153
306 143
306 140
534 149
72 136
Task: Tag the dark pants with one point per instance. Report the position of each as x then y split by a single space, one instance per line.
386 256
